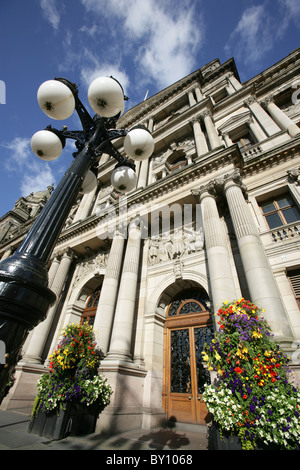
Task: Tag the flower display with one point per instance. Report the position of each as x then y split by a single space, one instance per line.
73 373
254 397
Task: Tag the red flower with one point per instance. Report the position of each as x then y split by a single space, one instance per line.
238 370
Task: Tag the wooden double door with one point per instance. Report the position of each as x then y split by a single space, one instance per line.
184 372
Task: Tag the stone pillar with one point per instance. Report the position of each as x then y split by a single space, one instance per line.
34 351
200 140
213 136
267 123
7 253
121 340
256 131
53 270
84 206
108 297
199 95
143 176
261 283
216 248
192 100
281 118
227 139
234 81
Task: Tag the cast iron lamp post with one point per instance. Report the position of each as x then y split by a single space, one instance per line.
24 294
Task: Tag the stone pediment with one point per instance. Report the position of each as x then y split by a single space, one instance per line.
234 121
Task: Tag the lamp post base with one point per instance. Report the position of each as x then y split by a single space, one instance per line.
24 303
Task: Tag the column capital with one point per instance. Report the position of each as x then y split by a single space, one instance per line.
234 179
66 253
206 113
268 100
205 190
250 100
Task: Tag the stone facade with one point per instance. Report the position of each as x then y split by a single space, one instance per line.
204 217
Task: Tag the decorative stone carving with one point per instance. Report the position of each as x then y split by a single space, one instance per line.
90 266
294 176
174 246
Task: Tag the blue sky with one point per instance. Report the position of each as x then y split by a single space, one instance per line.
145 44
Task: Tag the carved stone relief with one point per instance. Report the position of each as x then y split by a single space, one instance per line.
174 246
90 266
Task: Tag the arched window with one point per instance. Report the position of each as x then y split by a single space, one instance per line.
89 312
188 301
176 163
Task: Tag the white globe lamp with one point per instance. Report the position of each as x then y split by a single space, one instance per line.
56 99
139 143
106 97
46 145
123 179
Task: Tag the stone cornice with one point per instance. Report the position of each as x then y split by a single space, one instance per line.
272 157
201 167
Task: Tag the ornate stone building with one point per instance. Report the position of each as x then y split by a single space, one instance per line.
215 216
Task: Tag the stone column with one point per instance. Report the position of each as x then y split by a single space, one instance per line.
108 297
227 139
192 100
267 123
200 140
213 136
121 340
40 334
7 253
53 270
261 283
143 176
256 131
234 81
84 206
216 248
281 118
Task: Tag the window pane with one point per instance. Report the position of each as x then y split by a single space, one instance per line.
267 207
180 361
202 335
273 221
291 215
285 201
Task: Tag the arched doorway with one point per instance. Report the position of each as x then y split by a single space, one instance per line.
89 312
188 326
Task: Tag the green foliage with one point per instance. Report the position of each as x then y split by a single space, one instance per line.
73 373
254 398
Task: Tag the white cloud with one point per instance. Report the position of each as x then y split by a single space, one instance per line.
163 40
253 35
259 29
289 13
51 12
36 182
35 174
95 68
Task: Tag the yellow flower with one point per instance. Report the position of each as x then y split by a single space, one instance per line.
205 357
256 334
217 356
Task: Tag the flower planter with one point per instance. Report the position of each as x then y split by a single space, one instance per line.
226 441
73 420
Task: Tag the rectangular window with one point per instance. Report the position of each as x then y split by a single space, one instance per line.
280 210
244 141
294 277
